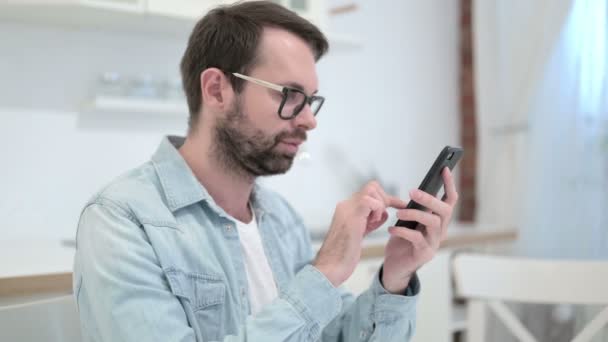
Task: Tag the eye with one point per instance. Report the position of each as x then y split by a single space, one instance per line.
294 97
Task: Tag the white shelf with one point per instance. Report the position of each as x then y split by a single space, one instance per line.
106 104
79 16
93 16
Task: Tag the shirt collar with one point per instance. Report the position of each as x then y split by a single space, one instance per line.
180 186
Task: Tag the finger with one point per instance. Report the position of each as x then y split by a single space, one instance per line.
377 217
373 225
373 189
392 201
379 212
424 217
396 202
389 201
375 208
377 193
431 223
444 231
451 196
430 202
415 237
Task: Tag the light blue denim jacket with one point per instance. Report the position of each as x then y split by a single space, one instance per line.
158 260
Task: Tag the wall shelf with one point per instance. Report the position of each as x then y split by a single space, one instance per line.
108 104
105 16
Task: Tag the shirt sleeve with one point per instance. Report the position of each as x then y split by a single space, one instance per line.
376 315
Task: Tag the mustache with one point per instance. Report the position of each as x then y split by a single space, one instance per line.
299 134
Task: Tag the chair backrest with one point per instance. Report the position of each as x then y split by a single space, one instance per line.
486 281
52 320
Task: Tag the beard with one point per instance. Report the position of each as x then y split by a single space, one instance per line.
248 151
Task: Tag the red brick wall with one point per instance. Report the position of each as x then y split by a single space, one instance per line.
467 115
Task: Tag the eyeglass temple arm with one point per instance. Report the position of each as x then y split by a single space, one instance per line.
260 82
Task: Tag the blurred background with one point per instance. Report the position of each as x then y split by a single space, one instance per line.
89 87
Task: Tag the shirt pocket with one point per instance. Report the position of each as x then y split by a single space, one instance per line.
204 296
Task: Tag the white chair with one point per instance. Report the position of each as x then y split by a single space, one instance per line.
486 281
52 320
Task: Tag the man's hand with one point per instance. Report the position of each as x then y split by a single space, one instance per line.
408 249
353 218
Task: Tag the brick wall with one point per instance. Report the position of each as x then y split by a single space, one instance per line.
468 124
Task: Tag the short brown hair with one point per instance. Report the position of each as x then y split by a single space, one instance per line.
227 38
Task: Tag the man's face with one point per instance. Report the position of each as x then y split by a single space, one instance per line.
251 136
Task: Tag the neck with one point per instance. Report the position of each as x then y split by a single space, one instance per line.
229 188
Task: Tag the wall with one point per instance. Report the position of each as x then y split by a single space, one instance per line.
391 106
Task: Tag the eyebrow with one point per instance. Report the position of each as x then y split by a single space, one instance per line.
297 86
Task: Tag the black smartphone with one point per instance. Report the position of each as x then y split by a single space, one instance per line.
433 181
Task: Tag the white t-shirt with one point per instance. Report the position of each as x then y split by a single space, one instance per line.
262 287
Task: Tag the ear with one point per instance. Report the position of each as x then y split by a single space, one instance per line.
217 92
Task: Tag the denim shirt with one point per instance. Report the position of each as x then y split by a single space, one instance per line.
158 260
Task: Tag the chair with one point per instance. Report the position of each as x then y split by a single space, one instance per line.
52 320
486 281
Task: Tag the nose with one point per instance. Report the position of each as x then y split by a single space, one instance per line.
306 118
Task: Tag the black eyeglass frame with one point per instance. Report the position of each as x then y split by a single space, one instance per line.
285 91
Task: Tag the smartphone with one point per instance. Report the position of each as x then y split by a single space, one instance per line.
433 181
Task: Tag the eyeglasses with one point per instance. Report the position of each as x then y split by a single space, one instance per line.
293 100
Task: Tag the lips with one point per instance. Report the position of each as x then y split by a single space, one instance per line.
291 146
294 142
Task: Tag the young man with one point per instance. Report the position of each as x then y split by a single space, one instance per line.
188 248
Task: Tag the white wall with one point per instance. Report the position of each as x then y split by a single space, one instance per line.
391 105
